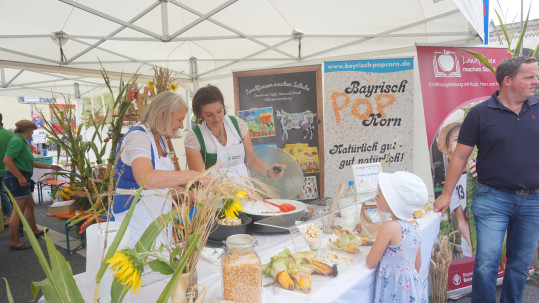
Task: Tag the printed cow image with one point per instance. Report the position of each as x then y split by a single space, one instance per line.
304 120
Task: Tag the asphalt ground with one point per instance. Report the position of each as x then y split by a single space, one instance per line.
20 268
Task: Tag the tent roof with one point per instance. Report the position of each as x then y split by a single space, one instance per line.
136 35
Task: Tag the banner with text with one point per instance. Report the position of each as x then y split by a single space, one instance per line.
452 81
368 113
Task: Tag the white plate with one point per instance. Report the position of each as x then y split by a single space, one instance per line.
263 209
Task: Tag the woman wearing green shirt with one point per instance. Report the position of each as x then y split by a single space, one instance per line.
19 162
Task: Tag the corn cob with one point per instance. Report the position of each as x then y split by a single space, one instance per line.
284 279
304 283
366 241
324 269
351 248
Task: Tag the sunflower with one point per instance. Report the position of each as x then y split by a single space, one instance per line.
129 268
231 208
241 194
173 87
150 84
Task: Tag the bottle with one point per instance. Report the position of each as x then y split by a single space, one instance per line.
349 196
348 212
241 269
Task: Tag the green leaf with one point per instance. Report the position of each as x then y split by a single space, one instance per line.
504 29
536 51
152 231
31 237
167 292
162 267
8 291
62 275
117 291
481 58
516 52
47 289
175 252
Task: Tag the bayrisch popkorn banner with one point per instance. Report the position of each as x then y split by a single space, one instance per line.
368 104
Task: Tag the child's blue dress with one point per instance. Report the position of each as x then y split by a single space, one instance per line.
397 279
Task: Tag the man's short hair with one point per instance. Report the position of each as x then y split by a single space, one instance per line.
509 67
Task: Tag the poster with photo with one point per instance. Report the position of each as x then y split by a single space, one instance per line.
283 106
452 81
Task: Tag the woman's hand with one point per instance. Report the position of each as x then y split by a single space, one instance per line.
55 167
23 182
276 171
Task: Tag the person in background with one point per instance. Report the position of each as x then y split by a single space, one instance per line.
19 162
145 155
447 142
5 136
505 129
218 137
397 248
45 147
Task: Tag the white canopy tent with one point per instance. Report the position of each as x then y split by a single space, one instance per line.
47 45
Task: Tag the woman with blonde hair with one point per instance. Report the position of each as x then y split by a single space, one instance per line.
19 162
144 154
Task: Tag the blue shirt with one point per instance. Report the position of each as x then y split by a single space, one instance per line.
507 143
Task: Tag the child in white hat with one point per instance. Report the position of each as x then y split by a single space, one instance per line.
398 245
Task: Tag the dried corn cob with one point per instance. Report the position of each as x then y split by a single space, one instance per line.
324 269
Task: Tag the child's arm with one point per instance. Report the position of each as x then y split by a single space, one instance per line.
418 260
389 230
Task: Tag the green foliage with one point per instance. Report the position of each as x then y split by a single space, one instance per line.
509 38
471 184
167 292
82 174
59 286
8 292
121 231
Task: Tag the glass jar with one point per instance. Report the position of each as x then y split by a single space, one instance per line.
241 268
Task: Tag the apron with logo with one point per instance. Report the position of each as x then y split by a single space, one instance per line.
231 156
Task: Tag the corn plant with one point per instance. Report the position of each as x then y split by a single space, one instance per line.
509 38
70 141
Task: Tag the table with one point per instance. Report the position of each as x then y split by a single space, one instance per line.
355 282
43 181
71 215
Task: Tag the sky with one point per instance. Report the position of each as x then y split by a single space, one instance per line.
511 10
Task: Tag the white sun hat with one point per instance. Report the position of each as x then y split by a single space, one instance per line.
404 192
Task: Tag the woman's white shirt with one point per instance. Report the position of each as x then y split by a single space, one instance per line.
191 140
136 144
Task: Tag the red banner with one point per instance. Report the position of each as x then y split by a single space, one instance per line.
451 78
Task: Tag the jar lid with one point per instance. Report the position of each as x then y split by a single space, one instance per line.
239 241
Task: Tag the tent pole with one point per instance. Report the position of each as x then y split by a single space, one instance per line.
3 77
164 20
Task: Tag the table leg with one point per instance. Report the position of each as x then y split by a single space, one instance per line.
39 192
67 228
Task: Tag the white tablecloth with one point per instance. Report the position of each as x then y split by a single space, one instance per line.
355 282
39 174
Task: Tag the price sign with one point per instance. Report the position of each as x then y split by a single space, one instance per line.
39 136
